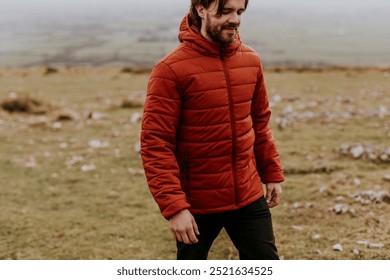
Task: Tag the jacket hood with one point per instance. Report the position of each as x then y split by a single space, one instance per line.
190 33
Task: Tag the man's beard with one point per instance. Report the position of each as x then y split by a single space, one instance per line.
215 33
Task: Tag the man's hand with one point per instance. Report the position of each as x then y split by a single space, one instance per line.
274 192
184 227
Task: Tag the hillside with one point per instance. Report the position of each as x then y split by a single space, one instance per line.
73 186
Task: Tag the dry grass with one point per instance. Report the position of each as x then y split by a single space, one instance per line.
52 209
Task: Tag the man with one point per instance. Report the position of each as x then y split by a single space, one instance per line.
205 142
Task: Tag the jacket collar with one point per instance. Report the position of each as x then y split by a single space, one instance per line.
190 34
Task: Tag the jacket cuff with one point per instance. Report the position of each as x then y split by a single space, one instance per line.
272 177
175 208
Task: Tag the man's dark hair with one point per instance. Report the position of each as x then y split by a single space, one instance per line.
196 20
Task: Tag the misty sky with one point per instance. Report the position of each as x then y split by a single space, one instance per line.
144 5
159 10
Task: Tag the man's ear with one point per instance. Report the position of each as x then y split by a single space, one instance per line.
201 10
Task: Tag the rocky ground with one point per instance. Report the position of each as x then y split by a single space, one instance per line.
73 187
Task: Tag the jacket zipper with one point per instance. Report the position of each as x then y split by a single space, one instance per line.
231 124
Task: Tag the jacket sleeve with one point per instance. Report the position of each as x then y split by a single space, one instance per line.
267 156
158 141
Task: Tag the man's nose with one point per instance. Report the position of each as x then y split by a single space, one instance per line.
234 18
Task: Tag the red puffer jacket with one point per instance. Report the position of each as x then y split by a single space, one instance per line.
205 143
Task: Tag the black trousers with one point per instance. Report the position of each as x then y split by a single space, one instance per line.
249 228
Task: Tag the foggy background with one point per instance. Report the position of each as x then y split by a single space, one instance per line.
134 32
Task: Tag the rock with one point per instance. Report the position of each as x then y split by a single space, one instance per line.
370 245
88 167
309 205
319 252
352 212
38 121
297 205
137 147
31 163
46 154
115 134
56 126
370 196
12 95
357 151
289 109
357 182
94 144
277 98
117 153
384 157
282 123
386 177
375 245
356 252
136 117
340 208
97 144
96 116
74 160
323 189
113 195
344 149
381 154
316 236
312 104
300 228
64 145
372 156
383 112
135 171
337 247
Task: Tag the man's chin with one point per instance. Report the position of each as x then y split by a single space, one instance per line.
224 37
229 38
229 33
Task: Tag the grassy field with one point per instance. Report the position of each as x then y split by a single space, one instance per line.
72 186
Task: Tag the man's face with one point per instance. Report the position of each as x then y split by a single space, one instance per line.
223 28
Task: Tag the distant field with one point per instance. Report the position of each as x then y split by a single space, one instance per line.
118 46
72 185
112 34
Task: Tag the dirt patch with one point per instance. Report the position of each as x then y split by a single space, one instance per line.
130 103
137 70
67 115
25 104
50 70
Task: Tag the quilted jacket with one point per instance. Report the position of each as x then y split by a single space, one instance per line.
205 142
